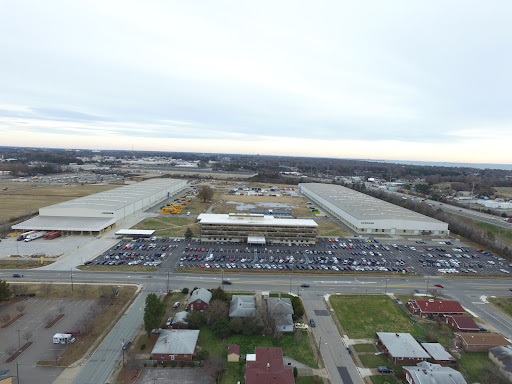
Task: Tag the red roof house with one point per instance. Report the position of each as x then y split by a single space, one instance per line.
462 323
266 367
435 308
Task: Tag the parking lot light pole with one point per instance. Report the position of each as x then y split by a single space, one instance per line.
427 285
71 279
19 340
168 279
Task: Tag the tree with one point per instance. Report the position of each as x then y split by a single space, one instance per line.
236 325
27 335
188 234
205 193
5 318
295 372
20 307
217 310
250 326
220 294
184 291
153 313
215 367
221 328
195 319
5 290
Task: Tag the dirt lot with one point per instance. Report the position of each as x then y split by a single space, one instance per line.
27 198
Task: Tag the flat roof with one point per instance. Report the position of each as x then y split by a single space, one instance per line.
361 206
253 220
66 223
135 232
118 198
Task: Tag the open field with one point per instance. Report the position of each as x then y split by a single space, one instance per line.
504 304
27 198
474 362
169 226
363 316
502 234
505 192
23 263
197 206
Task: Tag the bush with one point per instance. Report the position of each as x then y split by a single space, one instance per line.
145 364
182 364
192 365
184 291
203 354
143 347
155 364
164 364
173 364
295 372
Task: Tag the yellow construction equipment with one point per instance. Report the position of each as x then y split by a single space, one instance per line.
175 209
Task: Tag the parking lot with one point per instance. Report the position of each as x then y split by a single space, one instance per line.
426 257
31 327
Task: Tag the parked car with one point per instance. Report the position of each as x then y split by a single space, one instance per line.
312 323
126 345
384 369
17 275
177 304
304 285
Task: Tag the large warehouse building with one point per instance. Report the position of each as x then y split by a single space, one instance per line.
99 212
256 229
366 214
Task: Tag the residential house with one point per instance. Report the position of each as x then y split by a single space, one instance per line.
281 310
233 353
438 354
179 321
199 300
402 348
435 308
462 323
176 344
242 306
428 373
502 357
478 342
266 367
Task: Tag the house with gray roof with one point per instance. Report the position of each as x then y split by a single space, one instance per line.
428 373
281 310
438 353
242 306
199 300
179 321
402 348
176 344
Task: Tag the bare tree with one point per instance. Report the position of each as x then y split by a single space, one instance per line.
11 349
267 323
61 309
46 288
48 318
20 307
27 335
5 318
435 293
215 367
217 309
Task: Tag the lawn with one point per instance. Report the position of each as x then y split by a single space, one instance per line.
502 303
364 348
363 316
169 226
373 361
474 362
385 379
308 380
210 342
296 347
234 373
327 228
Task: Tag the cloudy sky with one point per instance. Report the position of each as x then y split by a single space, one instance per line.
407 80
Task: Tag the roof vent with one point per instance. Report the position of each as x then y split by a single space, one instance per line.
430 300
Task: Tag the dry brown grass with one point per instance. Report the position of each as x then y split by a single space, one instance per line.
505 192
169 225
331 229
24 199
23 264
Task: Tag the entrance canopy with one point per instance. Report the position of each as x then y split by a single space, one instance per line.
255 240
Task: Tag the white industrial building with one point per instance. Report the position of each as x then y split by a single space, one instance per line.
366 214
99 212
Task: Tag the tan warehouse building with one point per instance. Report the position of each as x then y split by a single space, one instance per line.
369 215
256 229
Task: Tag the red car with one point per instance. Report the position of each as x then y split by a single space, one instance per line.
438 285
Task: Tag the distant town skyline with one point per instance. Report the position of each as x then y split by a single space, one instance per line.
410 81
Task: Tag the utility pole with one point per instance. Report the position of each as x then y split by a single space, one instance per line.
17 373
168 280
71 279
472 190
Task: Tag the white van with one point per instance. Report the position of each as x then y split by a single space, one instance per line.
63 338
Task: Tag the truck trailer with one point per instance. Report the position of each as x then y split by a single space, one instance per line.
51 235
63 338
34 236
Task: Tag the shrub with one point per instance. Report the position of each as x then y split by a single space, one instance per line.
203 354
184 291
155 364
182 364
173 364
192 364
143 347
295 372
164 364
145 364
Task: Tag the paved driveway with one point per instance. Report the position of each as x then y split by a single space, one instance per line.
174 375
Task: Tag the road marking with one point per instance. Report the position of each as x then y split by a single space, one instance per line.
495 318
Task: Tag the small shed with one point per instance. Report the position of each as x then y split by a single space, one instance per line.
233 353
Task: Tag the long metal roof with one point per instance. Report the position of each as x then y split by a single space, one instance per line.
253 220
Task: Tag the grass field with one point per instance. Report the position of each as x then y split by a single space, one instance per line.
234 373
502 303
308 380
373 361
363 316
505 192
23 263
503 234
27 198
474 363
331 229
169 226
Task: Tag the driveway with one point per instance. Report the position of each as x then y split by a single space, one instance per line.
174 375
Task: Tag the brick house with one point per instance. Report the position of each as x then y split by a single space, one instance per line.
199 300
478 342
175 344
435 308
266 367
402 348
462 323
428 373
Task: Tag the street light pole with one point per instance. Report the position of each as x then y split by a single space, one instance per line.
386 289
290 284
427 285
122 343
17 373
19 340
168 280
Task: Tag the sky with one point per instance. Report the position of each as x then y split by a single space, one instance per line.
403 80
